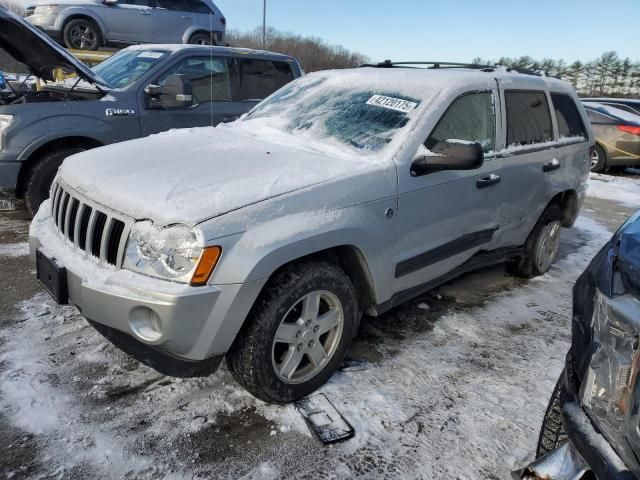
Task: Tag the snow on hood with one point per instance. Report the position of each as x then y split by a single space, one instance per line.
190 175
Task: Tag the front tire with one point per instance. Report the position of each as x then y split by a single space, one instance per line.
41 176
542 246
552 432
82 34
297 333
598 160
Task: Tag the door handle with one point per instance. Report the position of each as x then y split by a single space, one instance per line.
485 182
230 119
186 17
551 166
145 13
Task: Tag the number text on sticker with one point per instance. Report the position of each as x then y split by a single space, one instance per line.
397 104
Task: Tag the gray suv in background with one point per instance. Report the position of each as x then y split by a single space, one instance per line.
139 91
90 24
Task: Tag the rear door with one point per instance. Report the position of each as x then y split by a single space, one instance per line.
528 148
213 100
445 217
130 21
171 18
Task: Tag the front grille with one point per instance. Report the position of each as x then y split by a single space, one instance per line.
89 228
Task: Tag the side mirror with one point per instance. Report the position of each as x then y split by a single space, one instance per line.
109 3
448 155
176 92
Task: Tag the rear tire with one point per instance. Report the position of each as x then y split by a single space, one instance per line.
41 176
598 160
82 34
275 355
552 432
202 39
541 247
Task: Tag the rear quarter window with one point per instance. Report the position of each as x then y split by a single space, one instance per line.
260 78
528 117
568 116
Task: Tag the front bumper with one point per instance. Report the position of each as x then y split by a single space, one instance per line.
177 329
48 23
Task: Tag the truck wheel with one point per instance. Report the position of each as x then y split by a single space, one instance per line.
598 160
552 433
296 334
542 246
41 176
202 39
82 34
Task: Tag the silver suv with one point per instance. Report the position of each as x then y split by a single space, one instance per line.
345 192
90 24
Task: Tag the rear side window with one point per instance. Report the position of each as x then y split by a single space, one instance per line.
470 117
528 118
196 6
260 78
600 118
569 120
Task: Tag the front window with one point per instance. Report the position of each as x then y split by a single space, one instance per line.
359 112
127 66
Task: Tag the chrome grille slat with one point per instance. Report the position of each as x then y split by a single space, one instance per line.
89 228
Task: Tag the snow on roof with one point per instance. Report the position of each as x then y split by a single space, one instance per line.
179 47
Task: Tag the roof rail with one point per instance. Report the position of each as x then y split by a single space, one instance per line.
475 66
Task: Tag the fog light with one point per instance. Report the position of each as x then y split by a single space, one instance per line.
146 324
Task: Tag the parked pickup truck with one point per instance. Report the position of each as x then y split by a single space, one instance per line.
265 240
139 91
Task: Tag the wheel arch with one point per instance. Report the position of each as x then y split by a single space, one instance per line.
84 16
569 205
38 152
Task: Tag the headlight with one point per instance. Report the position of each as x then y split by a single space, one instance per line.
171 253
46 9
608 387
5 121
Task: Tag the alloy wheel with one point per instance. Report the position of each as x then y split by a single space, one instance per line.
84 37
548 246
307 337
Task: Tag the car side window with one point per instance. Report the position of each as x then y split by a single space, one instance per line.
177 5
528 118
196 6
257 79
470 117
599 118
209 78
569 119
139 3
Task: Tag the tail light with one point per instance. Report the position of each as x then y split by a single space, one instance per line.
632 129
223 21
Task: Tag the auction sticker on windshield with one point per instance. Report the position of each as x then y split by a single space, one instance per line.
392 103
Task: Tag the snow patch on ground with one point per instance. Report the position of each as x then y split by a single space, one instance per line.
13 250
623 190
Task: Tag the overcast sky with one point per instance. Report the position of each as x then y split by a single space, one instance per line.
454 30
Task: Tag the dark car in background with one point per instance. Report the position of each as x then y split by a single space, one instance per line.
140 90
631 105
91 24
592 425
617 133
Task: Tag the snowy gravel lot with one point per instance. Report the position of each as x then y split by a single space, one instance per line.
451 385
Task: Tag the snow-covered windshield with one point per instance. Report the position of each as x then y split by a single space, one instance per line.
127 66
364 115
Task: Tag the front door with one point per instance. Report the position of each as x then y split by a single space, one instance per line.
130 21
213 102
446 217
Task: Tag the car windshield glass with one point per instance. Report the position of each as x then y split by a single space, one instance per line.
127 66
332 109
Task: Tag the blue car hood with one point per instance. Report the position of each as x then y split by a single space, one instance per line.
629 252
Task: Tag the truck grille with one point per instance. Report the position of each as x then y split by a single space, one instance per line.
89 228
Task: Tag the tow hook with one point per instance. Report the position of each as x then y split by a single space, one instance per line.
564 463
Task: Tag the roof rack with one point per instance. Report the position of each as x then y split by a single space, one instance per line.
434 65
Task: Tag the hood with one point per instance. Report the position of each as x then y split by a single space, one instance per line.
629 253
190 175
28 45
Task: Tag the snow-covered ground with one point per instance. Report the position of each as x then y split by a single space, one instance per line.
453 385
622 190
